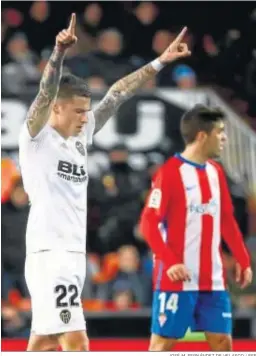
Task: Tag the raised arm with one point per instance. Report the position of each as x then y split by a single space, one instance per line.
125 88
41 107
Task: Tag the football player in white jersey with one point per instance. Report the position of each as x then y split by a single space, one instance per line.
53 159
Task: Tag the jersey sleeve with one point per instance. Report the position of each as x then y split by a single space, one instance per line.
229 228
154 214
26 140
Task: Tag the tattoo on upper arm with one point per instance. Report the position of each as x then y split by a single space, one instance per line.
107 108
121 91
40 109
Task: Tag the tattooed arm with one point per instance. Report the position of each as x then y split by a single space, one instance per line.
120 91
40 109
124 88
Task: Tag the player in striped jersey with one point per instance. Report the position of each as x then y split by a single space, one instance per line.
188 210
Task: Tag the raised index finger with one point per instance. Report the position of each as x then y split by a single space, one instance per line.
181 35
72 24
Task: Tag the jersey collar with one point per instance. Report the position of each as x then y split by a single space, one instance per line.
197 165
58 137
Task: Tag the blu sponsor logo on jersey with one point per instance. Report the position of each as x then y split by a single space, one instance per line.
71 172
209 208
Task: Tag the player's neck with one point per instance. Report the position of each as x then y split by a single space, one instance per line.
60 130
193 154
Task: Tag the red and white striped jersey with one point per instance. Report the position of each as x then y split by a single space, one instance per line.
187 212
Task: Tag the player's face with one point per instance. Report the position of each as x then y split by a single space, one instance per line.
216 140
73 114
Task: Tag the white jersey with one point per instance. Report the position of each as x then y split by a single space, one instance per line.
55 177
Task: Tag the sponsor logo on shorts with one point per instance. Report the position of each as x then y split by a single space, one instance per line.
80 148
71 172
65 316
162 319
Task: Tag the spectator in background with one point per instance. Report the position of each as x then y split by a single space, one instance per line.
40 24
123 297
182 74
95 216
251 84
10 20
120 206
150 84
21 68
91 19
4 31
107 61
160 42
44 57
92 269
184 77
14 324
233 54
96 84
143 23
9 175
241 299
209 45
39 11
129 278
88 26
76 62
155 160
13 228
211 66
239 198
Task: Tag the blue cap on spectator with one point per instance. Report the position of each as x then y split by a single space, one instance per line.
182 71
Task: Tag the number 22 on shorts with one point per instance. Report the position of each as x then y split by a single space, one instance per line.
168 302
61 301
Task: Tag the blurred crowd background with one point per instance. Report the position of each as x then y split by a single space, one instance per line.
116 38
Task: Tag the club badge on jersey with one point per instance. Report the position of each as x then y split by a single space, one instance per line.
80 148
155 199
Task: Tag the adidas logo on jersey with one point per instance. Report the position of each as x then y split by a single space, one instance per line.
71 172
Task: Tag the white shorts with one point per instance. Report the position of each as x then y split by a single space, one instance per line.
55 281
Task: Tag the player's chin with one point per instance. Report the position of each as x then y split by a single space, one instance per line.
218 154
77 132
215 154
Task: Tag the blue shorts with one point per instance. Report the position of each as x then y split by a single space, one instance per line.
174 312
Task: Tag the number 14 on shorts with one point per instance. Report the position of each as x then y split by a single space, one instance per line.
168 302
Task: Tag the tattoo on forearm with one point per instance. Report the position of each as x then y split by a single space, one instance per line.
39 111
120 91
